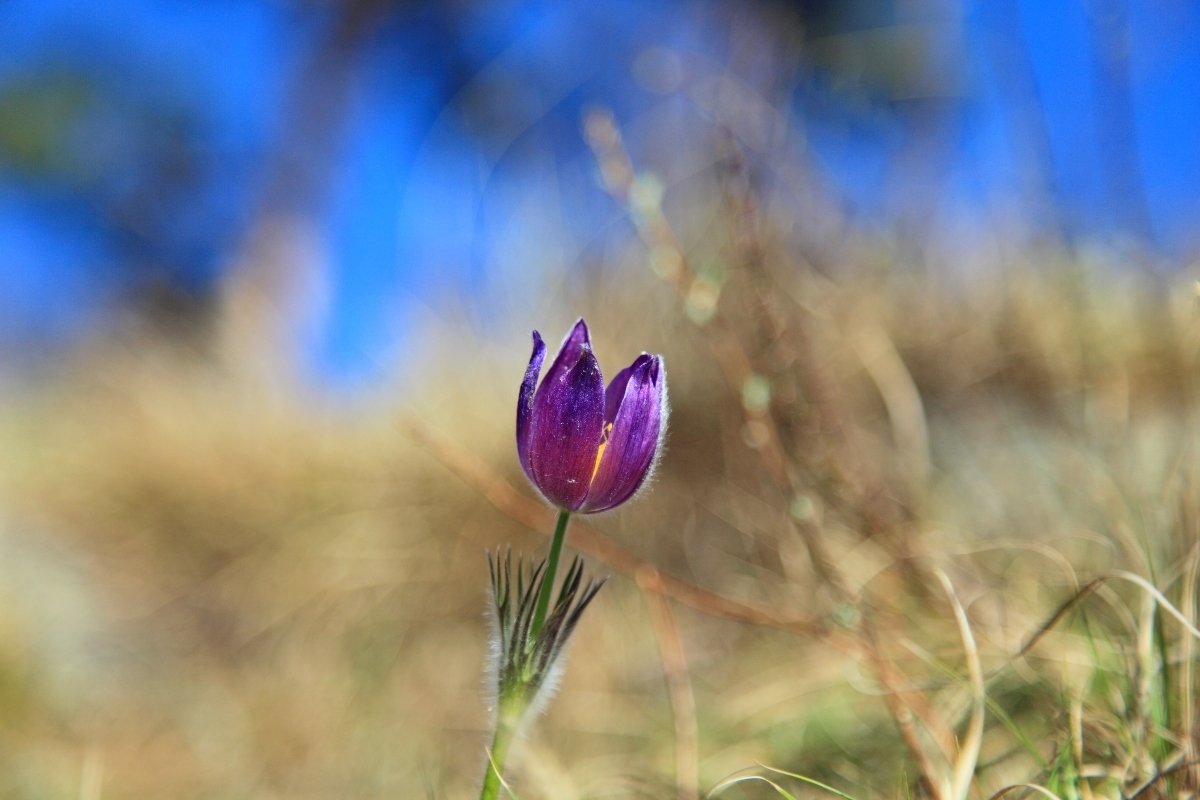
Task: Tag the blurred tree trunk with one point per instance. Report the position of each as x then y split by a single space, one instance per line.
273 299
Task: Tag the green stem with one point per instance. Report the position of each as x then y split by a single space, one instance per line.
556 546
509 716
496 756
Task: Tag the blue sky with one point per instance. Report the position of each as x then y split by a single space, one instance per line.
460 154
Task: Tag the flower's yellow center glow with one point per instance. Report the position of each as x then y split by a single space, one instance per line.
600 451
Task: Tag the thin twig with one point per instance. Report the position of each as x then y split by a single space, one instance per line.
594 544
901 709
1178 765
679 683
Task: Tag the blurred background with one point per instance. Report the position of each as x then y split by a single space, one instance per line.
921 271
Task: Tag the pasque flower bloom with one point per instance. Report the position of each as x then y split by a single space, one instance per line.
587 448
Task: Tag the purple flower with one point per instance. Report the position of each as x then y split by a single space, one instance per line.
587 448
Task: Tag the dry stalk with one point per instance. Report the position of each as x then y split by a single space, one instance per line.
737 367
679 684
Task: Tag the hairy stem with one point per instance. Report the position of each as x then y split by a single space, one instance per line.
497 753
512 706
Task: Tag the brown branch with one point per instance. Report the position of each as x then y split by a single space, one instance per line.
903 706
679 684
593 543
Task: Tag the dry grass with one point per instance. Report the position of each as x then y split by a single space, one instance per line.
211 589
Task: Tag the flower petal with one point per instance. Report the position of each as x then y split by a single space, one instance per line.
568 352
639 424
567 424
615 392
525 400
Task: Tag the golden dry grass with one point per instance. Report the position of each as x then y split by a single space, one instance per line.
215 590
